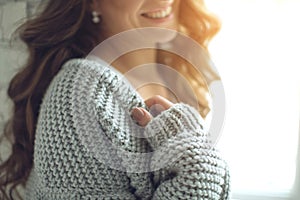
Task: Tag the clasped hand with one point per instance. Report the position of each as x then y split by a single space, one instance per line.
156 105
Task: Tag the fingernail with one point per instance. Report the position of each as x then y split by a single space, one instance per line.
156 109
137 114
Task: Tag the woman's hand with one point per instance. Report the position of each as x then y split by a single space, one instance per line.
156 105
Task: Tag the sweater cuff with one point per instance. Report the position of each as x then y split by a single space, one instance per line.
180 118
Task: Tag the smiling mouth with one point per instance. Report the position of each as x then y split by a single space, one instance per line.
164 13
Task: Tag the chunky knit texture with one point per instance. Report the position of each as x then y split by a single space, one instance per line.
88 147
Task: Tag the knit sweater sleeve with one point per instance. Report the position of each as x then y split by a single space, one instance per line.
90 128
188 166
183 162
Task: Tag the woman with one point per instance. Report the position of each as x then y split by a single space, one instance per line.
74 128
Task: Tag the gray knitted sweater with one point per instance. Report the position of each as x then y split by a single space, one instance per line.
88 147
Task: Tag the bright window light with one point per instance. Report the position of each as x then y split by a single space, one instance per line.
257 55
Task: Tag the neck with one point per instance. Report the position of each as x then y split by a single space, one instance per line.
134 59
141 78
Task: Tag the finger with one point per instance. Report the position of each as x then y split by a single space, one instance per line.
141 116
158 100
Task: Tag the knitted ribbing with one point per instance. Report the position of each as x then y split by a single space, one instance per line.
85 136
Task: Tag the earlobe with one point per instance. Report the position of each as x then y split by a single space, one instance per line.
94 5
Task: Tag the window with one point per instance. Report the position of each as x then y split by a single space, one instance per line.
256 54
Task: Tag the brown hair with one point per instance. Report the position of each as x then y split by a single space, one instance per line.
196 22
60 32
63 30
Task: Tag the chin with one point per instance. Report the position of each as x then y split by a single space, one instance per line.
157 34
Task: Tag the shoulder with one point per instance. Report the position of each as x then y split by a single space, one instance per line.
84 73
81 79
82 65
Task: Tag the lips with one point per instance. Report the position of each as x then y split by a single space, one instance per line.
159 14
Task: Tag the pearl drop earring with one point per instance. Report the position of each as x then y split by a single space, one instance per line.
96 18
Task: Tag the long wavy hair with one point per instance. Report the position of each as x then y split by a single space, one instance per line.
196 22
63 30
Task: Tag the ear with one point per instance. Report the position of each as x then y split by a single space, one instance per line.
94 6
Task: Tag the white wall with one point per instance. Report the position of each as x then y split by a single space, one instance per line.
257 55
12 54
